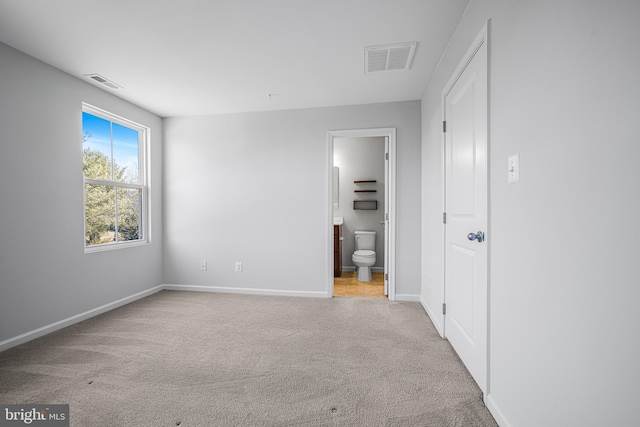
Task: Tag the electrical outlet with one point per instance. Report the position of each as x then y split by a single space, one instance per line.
514 169
238 267
203 265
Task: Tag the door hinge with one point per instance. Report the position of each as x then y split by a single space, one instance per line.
386 276
386 156
444 217
444 308
444 126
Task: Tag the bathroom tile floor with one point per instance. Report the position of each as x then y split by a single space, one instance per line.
348 286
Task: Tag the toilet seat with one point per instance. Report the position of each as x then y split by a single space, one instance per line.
364 259
365 253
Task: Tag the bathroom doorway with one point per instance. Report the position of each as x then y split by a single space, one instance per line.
362 198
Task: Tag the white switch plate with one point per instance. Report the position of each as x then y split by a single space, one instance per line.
514 168
203 265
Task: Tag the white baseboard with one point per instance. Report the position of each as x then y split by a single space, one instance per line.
432 316
497 414
37 333
251 291
353 268
407 297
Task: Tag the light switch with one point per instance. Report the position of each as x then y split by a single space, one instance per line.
514 168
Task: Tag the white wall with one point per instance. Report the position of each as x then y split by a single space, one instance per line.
253 188
360 159
564 287
45 276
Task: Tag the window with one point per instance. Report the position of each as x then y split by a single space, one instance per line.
115 185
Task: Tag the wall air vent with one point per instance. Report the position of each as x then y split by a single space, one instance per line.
102 80
389 57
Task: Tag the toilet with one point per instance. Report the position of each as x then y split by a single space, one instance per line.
365 255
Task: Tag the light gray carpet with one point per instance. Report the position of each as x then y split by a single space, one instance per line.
204 359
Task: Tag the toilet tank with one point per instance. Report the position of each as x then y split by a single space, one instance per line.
365 240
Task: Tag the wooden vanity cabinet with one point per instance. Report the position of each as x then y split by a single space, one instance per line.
337 250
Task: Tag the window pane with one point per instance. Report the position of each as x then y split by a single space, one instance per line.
96 146
100 213
125 154
112 167
129 214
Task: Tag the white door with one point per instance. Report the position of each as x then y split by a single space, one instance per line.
385 220
466 295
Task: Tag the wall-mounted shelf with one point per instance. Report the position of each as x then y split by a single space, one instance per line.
365 205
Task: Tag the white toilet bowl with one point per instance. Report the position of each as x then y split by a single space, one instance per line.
364 259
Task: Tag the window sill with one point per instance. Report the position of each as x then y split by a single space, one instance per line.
114 246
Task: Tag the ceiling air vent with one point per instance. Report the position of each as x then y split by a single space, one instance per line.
389 57
102 80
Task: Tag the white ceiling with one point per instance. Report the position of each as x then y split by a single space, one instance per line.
192 57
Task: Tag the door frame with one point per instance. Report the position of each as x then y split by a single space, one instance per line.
481 38
390 190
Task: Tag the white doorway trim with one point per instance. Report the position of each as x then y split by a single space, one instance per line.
390 189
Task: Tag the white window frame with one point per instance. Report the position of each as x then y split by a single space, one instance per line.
143 167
